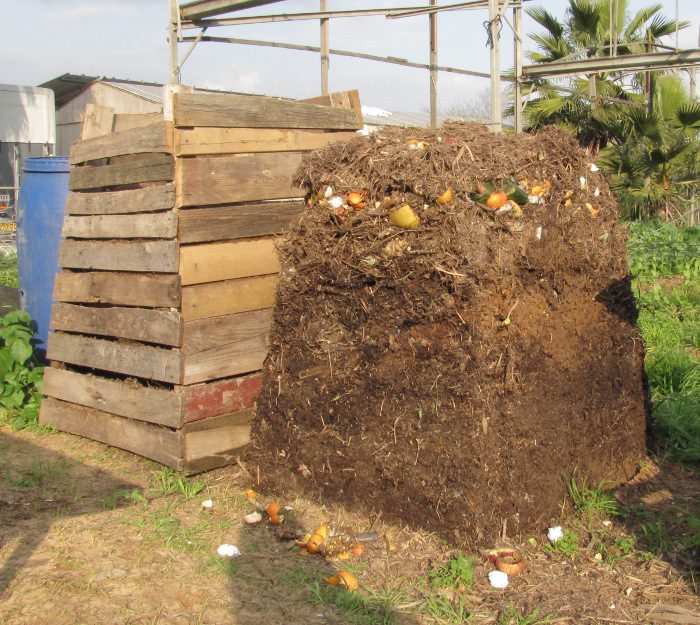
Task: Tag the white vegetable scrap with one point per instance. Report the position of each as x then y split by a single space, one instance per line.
336 201
207 504
328 192
594 167
538 233
583 182
555 534
228 551
596 192
253 518
498 579
535 199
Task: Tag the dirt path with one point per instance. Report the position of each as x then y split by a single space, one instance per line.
90 534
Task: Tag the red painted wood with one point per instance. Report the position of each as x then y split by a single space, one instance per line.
211 399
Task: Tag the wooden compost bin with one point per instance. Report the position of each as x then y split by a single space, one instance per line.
164 302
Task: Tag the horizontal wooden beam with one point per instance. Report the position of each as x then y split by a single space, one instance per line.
122 289
145 256
241 111
148 199
138 169
150 226
213 262
226 297
156 138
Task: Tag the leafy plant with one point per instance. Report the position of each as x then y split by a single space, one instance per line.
567 545
455 573
20 374
170 483
8 270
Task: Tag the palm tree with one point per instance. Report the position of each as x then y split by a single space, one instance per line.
593 28
657 166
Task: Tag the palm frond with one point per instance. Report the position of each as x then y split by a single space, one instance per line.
688 116
637 23
662 26
545 19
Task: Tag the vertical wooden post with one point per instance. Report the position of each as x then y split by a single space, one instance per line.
433 67
173 21
518 65
325 61
496 119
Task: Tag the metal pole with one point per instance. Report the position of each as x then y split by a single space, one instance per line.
496 120
325 57
172 41
518 47
433 67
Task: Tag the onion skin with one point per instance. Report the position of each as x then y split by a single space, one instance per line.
496 199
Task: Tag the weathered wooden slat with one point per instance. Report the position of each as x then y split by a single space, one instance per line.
148 199
217 223
129 358
221 397
156 256
338 99
218 347
151 226
138 169
224 261
237 178
163 327
198 141
239 111
215 442
226 297
126 399
156 137
126 121
146 439
126 289
97 121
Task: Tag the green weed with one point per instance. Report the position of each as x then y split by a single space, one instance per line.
35 475
446 612
656 539
8 270
455 573
592 501
357 608
617 549
131 495
567 545
513 616
170 483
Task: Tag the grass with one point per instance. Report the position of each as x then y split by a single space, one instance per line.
168 482
665 261
446 612
567 545
590 502
8 270
35 475
513 616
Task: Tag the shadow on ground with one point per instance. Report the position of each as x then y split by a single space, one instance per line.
38 487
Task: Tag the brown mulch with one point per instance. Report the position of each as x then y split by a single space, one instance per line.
456 375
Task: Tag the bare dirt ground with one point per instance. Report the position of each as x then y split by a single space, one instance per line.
91 534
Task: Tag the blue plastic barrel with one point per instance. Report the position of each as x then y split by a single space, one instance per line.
42 198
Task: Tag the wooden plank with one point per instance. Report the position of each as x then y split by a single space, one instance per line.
224 261
338 99
126 399
217 223
218 347
129 358
127 121
242 111
237 178
196 141
215 442
228 297
163 327
140 168
145 439
156 256
126 289
150 226
97 121
157 137
221 397
148 199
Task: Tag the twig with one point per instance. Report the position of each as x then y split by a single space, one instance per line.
450 273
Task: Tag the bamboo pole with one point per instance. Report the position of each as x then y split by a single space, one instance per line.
325 57
433 67
496 120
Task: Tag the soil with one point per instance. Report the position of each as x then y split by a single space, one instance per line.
456 375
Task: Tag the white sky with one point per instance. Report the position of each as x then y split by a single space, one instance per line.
43 39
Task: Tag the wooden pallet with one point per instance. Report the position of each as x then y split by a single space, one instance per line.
164 302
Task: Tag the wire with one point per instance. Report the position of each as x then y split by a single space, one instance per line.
487 27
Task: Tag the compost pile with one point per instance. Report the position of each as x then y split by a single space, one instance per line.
452 373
